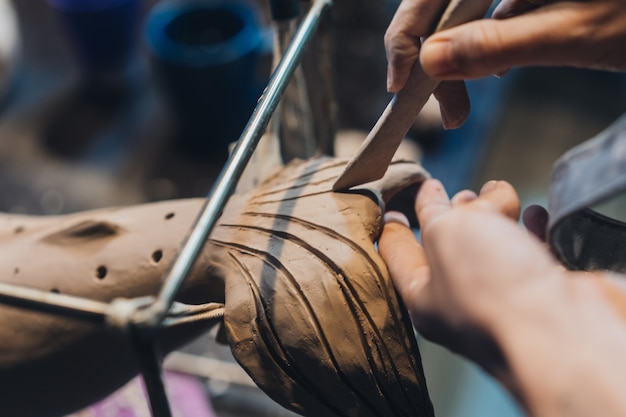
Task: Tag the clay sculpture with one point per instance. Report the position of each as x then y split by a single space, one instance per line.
50 365
311 313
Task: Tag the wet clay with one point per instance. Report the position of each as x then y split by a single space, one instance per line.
311 313
50 366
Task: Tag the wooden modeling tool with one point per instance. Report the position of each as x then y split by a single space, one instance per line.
375 154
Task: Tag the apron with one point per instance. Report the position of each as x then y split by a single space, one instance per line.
589 174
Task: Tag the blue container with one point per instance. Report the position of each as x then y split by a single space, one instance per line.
102 32
206 55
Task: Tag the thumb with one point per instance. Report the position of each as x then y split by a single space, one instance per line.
551 35
404 258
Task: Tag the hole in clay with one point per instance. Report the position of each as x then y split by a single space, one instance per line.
169 216
19 229
101 272
157 255
55 291
16 271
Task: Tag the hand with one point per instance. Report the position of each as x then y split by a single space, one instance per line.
474 258
487 290
589 34
402 45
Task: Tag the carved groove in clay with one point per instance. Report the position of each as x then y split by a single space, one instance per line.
311 312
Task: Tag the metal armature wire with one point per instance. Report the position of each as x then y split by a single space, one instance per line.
230 174
144 316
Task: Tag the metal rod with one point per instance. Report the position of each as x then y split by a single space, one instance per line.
149 361
234 167
48 302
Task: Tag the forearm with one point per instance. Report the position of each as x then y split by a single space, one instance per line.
565 351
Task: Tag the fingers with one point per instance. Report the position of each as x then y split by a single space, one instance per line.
498 196
510 8
485 47
453 102
432 201
401 55
495 196
412 21
404 257
535 219
463 197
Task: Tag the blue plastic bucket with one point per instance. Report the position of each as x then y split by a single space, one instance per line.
206 56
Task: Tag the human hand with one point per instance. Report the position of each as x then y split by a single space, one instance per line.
402 46
589 34
473 259
487 290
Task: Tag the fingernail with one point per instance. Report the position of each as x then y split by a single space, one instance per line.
448 121
452 120
445 117
489 186
437 54
389 80
396 217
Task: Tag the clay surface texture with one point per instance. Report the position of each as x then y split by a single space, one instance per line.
311 313
50 365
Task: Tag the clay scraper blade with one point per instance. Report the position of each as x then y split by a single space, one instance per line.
374 156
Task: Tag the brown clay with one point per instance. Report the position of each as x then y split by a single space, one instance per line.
50 365
310 310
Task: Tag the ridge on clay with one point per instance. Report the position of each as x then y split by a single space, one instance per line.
311 312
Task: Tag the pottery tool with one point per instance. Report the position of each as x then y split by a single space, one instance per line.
375 154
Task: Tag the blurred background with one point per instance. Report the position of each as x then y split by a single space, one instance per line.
117 102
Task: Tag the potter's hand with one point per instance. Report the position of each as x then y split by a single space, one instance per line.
484 288
588 34
473 253
402 44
